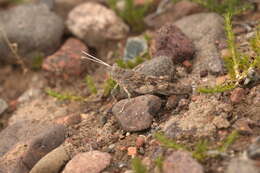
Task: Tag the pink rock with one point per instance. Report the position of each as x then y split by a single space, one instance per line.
66 62
180 162
237 95
89 162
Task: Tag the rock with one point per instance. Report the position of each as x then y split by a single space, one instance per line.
136 114
66 62
69 119
225 53
135 46
172 102
172 42
253 151
33 28
237 95
53 162
158 66
140 141
63 7
91 162
243 126
180 162
24 131
26 153
132 151
204 29
242 166
3 106
48 3
205 115
96 24
249 161
173 13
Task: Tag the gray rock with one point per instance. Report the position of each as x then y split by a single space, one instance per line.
3 106
53 162
33 28
181 162
21 131
26 153
172 13
96 24
158 66
253 151
63 7
91 162
242 166
48 3
205 115
248 161
205 29
136 114
135 46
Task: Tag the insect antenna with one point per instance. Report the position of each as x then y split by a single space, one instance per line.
94 59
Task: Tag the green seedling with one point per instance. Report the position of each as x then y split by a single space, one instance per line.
230 139
37 61
131 14
90 84
109 85
63 96
137 166
239 65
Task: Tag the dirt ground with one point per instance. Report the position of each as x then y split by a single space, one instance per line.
99 129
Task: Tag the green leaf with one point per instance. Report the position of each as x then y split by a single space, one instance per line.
90 84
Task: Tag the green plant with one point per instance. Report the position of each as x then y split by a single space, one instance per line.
169 143
239 65
63 96
90 84
130 64
131 14
159 163
137 166
37 61
200 151
109 85
16 1
230 139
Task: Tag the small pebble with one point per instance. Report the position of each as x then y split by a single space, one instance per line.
140 140
237 95
131 151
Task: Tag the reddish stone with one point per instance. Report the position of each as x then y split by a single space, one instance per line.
237 95
69 120
66 62
180 162
172 102
89 162
140 140
132 151
172 42
187 64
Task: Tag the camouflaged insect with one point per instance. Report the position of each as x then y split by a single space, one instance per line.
134 83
